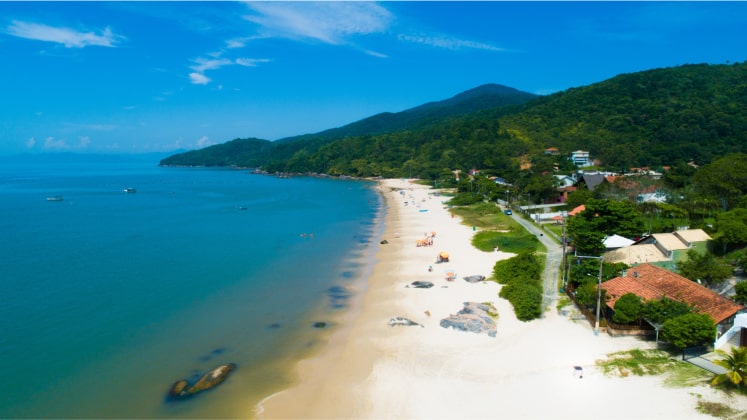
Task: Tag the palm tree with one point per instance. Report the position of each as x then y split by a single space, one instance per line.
735 364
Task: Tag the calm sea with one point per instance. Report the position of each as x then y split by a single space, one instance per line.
107 297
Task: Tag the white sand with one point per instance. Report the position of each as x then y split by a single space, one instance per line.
371 370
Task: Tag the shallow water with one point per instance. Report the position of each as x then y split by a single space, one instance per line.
107 298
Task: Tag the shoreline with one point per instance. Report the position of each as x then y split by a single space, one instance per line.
369 369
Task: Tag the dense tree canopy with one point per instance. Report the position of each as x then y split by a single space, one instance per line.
627 309
704 267
652 118
603 218
689 330
724 180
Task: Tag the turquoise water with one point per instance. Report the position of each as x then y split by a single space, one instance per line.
107 298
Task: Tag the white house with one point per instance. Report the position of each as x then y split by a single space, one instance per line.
581 158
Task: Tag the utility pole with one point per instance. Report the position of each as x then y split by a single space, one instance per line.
565 272
599 289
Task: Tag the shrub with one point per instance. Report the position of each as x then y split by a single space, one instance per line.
689 330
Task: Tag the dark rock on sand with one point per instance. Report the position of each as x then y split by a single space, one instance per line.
474 279
421 284
384 242
398 320
474 317
182 389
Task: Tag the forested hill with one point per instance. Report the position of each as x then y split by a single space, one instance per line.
650 118
256 152
477 99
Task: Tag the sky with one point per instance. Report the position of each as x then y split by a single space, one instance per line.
140 76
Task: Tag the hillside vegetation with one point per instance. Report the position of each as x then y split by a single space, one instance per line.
650 118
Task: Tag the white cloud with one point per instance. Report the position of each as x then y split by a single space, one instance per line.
209 64
251 62
199 79
68 37
328 22
51 143
448 42
84 142
30 143
204 141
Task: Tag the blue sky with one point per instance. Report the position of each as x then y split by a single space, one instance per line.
136 77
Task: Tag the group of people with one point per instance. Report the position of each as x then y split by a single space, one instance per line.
427 241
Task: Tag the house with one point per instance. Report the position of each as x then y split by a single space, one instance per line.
592 179
616 241
577 210
581 158
565 180
552 151
659 247
650 282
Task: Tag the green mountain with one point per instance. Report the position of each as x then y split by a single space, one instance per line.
255 152
650 118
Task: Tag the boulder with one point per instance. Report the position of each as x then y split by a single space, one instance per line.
211 379
398 320
474 317
384 242
178 388
421 284
474 279
182 389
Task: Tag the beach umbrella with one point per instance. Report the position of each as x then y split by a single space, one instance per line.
444 254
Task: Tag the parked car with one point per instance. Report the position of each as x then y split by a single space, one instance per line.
508 212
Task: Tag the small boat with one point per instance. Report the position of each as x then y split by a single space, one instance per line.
130 190
54 198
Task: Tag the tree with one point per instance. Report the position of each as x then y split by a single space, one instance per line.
578 197
724 179
704 267
741 292
735 364
732 228
603 218
689 330
660 310
628 309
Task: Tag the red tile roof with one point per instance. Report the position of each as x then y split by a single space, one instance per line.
577 210
652 282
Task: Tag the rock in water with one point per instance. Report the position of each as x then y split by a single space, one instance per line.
178 388
181 389
474 279
212 379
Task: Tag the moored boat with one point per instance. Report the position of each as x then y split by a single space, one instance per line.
130 190
54 198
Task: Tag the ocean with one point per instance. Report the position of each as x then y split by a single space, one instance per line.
107 298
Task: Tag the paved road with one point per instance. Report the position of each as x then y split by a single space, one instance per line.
552 265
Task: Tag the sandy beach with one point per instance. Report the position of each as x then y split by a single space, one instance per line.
371 370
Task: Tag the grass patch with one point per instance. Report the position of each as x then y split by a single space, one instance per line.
496 229
638 362
719 410
511 241
563 301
